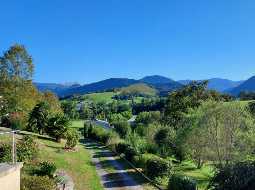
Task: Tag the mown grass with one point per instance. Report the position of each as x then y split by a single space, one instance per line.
202 176
77 164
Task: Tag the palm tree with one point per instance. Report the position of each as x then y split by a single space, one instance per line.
38 118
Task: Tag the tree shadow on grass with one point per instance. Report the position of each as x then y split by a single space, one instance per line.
87 144
104 154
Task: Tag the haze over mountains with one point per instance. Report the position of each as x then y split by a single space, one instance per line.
162 84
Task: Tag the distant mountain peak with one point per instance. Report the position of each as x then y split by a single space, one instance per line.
218 84
156 79
248 85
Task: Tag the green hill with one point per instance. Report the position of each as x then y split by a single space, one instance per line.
100 97
139 89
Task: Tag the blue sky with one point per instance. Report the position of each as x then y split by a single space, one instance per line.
89 40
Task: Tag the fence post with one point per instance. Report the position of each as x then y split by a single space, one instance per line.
13 148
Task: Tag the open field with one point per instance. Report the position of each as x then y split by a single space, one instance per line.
101 97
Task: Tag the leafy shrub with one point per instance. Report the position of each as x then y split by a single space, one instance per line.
141 160
5 152
116 117
179 153
130 153
86 128
109 138
137 142
15 120
46 169
177 182
57 127
126 114
121 147
27 149
240 176
150 148
112 140
122 128
72 138
157 167
97 133
148 117
37 183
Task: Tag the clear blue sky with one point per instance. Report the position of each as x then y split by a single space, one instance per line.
89 40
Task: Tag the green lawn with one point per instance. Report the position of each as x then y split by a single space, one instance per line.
77 164
202 176
77 124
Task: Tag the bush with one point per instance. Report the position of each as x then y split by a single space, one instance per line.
121 147
240 176
181 183
138 143
126 114
97 133
116 117
130 153
46 169
72 138
37 183
122 128
100 134
57 127
27 149
109 138
112 140
157 167
141 160
86 128
15 120
5 152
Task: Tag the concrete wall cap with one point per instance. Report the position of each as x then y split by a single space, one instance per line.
6 168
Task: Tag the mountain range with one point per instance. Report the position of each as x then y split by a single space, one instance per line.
162 84
219 84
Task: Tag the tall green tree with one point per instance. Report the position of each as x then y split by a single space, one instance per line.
16 71
180 101
38 118
57 127
222 133
16 63
70 109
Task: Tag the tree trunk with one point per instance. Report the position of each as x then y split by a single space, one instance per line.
58 139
